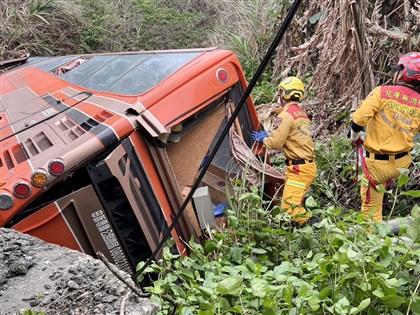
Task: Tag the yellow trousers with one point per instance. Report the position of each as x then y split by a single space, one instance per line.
298 180
381 171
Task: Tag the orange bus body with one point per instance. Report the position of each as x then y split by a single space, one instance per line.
97 150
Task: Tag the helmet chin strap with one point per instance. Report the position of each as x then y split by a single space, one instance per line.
283 101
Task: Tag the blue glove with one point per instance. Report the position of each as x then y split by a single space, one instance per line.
259 136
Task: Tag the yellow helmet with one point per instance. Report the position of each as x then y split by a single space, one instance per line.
291 86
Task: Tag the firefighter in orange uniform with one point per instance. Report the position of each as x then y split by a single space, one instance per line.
391 115
293 135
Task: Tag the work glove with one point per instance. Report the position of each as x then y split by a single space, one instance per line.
259 136
356 139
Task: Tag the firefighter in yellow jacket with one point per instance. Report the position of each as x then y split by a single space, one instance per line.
391 115
292 134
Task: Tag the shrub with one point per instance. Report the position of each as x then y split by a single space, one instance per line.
262 264
334 184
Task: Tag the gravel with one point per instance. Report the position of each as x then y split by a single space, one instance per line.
43 277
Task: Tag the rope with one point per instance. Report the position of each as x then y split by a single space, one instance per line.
359 154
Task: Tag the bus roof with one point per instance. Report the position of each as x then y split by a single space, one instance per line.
73 107
147 82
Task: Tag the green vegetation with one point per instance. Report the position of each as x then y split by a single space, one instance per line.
39 27
167 25
266 267
247 28
262 264
334 185
60 27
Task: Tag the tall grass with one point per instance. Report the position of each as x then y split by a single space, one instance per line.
247 28
39 27
60 27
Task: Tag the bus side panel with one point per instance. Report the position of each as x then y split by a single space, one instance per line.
131 167
184 229
77 221
50 225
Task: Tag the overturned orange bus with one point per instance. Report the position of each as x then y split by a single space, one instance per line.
97 150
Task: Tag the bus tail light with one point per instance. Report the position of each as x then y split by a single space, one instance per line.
56 167
39 178
222 75
22 190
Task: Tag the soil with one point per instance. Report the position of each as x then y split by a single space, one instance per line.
50 279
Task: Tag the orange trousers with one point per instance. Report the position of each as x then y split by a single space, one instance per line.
381 171
298 180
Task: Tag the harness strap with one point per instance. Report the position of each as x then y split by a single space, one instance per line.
359 152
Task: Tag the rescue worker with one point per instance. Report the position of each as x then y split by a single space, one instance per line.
391 115
292 134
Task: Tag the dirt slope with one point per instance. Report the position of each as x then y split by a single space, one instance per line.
44 277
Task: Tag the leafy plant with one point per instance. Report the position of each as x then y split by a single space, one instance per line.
263 264
168 25
334 184
41 8
247 28
39 27
264 92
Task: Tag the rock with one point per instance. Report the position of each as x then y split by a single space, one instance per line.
400 225
17 268
43 277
